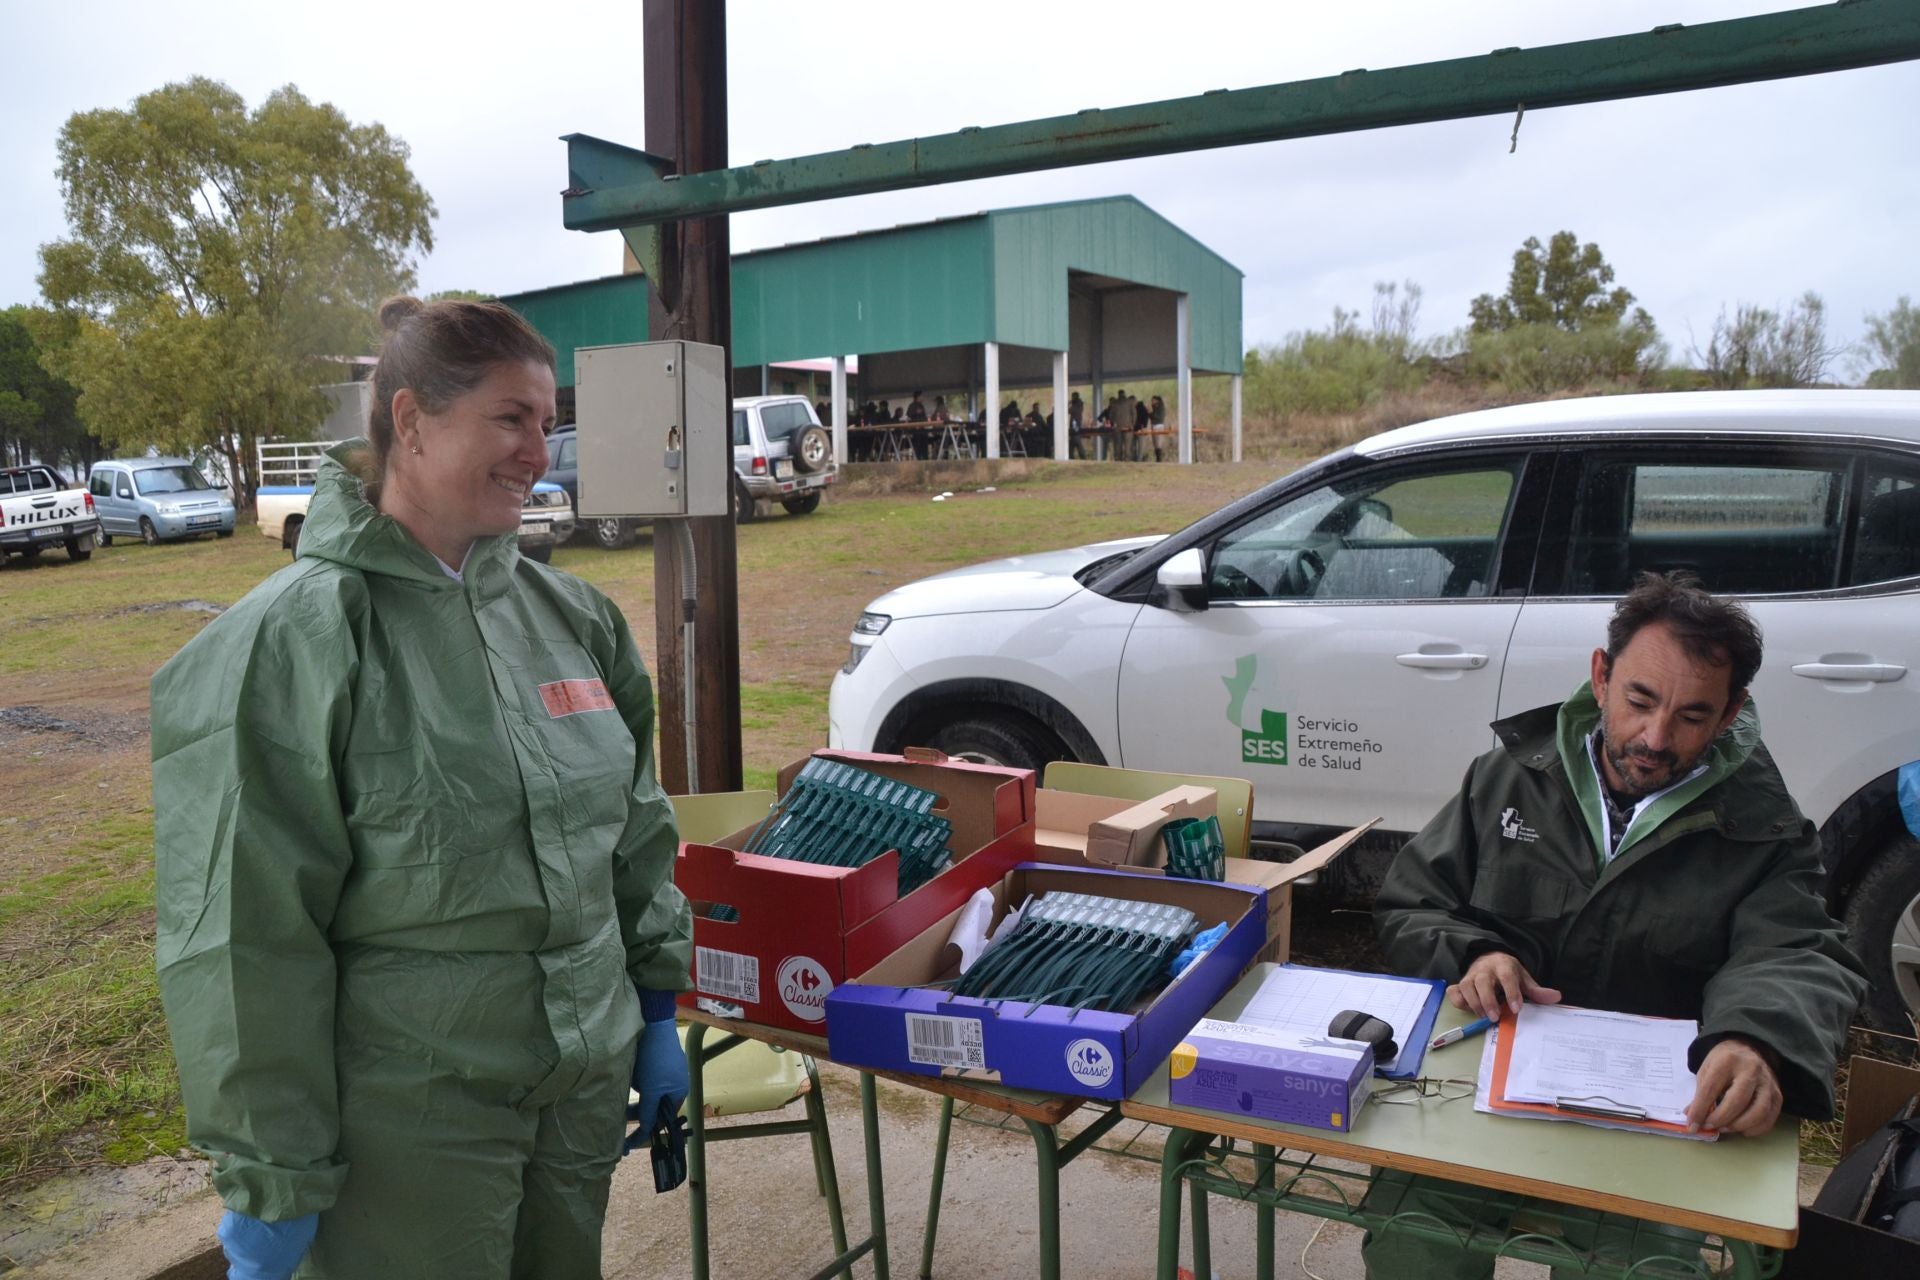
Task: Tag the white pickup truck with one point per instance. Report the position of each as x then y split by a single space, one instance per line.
38 509
286 486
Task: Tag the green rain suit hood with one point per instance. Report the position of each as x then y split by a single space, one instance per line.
1711 909
412 863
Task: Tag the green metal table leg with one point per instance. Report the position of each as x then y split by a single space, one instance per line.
939 1183
1174 1156
1263 1211
876 1191
1202 1233
1047 1150
1746 1260
823 1170
697 1151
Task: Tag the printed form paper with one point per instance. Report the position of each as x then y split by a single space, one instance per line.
1303 1001
1567 1056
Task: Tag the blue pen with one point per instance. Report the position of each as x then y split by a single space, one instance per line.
1473 1028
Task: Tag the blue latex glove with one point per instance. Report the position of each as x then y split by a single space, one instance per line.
659 1067
1201 944
259 1250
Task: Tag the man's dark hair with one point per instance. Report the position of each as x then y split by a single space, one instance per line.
1712 630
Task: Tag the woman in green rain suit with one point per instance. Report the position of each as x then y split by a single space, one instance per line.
416 906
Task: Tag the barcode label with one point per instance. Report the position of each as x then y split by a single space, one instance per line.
945 1042
727 973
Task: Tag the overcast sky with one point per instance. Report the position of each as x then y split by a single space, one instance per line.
1754 193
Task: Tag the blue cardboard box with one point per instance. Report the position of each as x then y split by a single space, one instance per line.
887 1017
1250 1070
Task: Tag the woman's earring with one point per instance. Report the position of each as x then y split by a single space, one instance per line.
416 448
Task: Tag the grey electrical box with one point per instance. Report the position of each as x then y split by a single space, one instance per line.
653 429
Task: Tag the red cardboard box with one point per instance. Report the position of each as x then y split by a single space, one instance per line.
803 929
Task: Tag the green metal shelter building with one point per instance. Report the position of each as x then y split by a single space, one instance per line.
1084 293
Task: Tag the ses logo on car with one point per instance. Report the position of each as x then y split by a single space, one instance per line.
1314 743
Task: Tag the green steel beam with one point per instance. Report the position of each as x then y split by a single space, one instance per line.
611 186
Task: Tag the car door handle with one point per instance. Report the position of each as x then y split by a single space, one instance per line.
1442 661
1875 672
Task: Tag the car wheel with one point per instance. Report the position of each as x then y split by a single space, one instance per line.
804 504
223 533
811 449
292 538
80 548
743 509
149 534
611 533
1883 925
542 554
998 737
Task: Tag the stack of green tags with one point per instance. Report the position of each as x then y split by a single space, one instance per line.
1081 951
838 816
1195 848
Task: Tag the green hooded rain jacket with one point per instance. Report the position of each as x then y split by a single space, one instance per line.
1711 909
407 835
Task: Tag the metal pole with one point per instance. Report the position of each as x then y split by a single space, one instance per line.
684 73
838 403
993 399
1237 380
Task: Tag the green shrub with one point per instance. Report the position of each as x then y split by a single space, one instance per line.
1542 357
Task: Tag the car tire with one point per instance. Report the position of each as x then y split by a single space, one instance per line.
542 554
80 548
292 538
223 533
1883 926
804 504
610 533
997 737
149 534
811 449
743 508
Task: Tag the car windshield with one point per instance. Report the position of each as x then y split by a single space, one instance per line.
782 420
169 480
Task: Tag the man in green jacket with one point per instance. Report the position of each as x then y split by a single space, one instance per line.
1634 848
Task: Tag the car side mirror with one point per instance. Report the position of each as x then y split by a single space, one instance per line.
1180 584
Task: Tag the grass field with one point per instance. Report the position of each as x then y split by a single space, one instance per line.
85 1071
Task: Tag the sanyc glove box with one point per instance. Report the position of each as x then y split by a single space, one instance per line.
802 929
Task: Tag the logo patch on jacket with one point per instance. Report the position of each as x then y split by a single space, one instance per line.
571 697
1514 827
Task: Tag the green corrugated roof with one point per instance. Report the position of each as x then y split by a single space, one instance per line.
998 276
592 313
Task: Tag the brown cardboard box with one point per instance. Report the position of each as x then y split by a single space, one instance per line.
1109 834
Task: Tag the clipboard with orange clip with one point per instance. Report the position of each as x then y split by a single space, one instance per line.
1598 1109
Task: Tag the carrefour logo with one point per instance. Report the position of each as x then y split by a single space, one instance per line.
1089 1062
804 984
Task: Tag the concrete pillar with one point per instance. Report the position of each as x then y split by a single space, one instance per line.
993 399
1236 417
1060 405
1183 371
838 399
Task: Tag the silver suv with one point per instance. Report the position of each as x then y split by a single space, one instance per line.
781 454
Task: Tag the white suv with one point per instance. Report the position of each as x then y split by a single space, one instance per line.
1344 636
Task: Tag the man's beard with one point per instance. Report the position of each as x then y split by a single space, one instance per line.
1619 758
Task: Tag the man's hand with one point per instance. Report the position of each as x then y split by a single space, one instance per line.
1736 1090
1494 980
